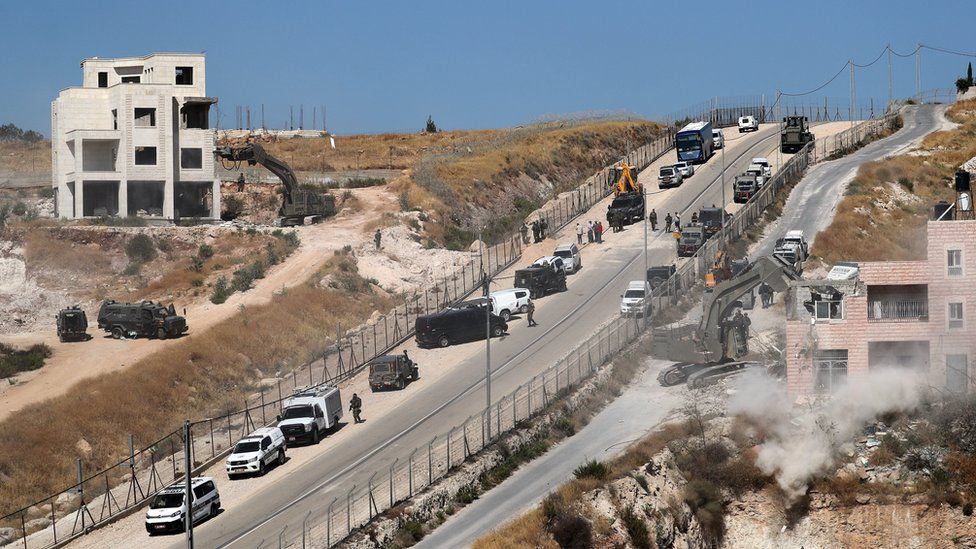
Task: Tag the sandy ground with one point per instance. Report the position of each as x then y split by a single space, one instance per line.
73 362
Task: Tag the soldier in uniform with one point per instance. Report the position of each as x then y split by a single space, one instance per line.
529 312
377 237
667 223
653 219
356 406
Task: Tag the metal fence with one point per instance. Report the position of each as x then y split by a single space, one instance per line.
330 522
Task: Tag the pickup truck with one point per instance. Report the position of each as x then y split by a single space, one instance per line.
745 187
792 247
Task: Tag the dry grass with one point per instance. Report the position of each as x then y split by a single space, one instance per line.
27 158
527 531
196 377
873 223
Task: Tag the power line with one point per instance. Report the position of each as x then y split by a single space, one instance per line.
822 86
876 59
913 52
943 50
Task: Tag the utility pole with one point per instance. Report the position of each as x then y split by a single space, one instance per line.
853 99
188 497
263 127
890 97
918 72
485 284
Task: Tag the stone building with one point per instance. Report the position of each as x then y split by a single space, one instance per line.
135 140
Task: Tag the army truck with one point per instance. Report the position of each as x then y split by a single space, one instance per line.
391 372
627 207
795 134
692 237
540 281
72 324
144 319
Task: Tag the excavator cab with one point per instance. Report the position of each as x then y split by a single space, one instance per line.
625 179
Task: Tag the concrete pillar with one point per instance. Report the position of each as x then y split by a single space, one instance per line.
123 198
215 202
168 195
79 198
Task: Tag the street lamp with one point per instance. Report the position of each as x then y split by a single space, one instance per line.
485 283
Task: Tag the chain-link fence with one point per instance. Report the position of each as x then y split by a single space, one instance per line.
330 522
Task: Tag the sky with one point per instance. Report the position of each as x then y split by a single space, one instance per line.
386 66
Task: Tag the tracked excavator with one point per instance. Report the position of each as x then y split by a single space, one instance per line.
297 204
715 348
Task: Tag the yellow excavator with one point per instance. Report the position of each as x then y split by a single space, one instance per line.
625 178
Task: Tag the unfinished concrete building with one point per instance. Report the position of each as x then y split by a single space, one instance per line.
870 315
135 140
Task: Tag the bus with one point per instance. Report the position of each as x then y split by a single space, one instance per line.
694 142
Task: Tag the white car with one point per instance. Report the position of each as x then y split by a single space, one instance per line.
687 169
748 124
255 452
570 254
758 171
766 166
718 139
635 301
553 261
167 511
505 303
669 176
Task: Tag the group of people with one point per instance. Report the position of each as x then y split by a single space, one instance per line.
539 230
594 232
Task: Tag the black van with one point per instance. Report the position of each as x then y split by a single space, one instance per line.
455 326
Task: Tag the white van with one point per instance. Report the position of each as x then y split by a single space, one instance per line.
748 124
505 303
635 302
718 139
255 452
309 413
167 511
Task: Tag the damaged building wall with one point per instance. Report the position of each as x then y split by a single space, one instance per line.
918 316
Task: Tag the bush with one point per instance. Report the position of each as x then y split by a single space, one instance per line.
140 249
165 246
197 282
592 469
572 532
13 361
705 501
925 457
565 426
132 269
636 529
466 494
290 239
245 276
20 209
411 532
271 254
4 214
196 264
205 251
232 207
221 291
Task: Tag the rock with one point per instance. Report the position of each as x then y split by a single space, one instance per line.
7 535
67 501
37 525
863 499
35 511
83 448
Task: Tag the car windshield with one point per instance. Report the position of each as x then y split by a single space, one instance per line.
294 412
690 235
380 368
623 202
166 501
564 253
247 446
667 171
634 294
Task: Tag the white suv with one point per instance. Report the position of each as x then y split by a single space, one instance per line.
748 124
570 254
766 166
686 168
167 511
718 138
255 452
635 301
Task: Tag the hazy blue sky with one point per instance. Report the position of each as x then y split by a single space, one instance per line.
387 65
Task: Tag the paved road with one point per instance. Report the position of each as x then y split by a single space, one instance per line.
631 416
348 458
813 202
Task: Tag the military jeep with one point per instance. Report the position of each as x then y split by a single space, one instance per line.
392 372
72 324
144 319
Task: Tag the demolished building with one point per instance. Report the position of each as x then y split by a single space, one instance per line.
882 314
135 140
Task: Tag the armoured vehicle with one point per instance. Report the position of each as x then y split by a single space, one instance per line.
795 134
540 281
745 186
658 276
298 204
628 207
145 319
72 324
391 371
712 220
692 238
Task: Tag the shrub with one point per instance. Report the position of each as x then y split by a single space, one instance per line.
196 264
636 529
592 469
290 239
925 457
133 268
412 531
4 214
565 426
221 291
907 184
705 501
13 361
431 127
466 494
20 209
197 282
140 249
572 532
165 246
271 254
205 251
232 207
244 277
404 201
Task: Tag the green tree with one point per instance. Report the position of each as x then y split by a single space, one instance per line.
140 249
431 127
969 74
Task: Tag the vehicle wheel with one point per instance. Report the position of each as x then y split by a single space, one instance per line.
496 331
117 332
261 468
315 435
400 384
61 338
444 341
161 333
506 316
281 456
672 378
524 309
214 509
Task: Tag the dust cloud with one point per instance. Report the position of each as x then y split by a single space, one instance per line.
804 442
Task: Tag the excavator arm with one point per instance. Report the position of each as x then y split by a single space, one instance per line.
626 182
252 153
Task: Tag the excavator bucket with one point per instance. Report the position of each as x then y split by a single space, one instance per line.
625 178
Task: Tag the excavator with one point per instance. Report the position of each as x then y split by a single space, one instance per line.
298 204
715 347
625 177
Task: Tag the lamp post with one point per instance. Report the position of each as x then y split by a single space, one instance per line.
485 283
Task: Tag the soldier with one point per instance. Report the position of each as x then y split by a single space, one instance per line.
240 182
406 358
543 228
766 293
535 231
525 233
667 223
529 311
694 217
356 406
376 238
677 221
653 219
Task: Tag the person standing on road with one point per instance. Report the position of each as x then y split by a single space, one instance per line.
529 312
653 219
377 237
589 232
543 228
525 233
579 233
599 232
677 221
356 406
667 223
240 182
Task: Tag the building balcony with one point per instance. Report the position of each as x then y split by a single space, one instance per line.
898 310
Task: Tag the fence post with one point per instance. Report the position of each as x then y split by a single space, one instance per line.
328 523
430 461
305 528
392 466
449 434
410 474
349 510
